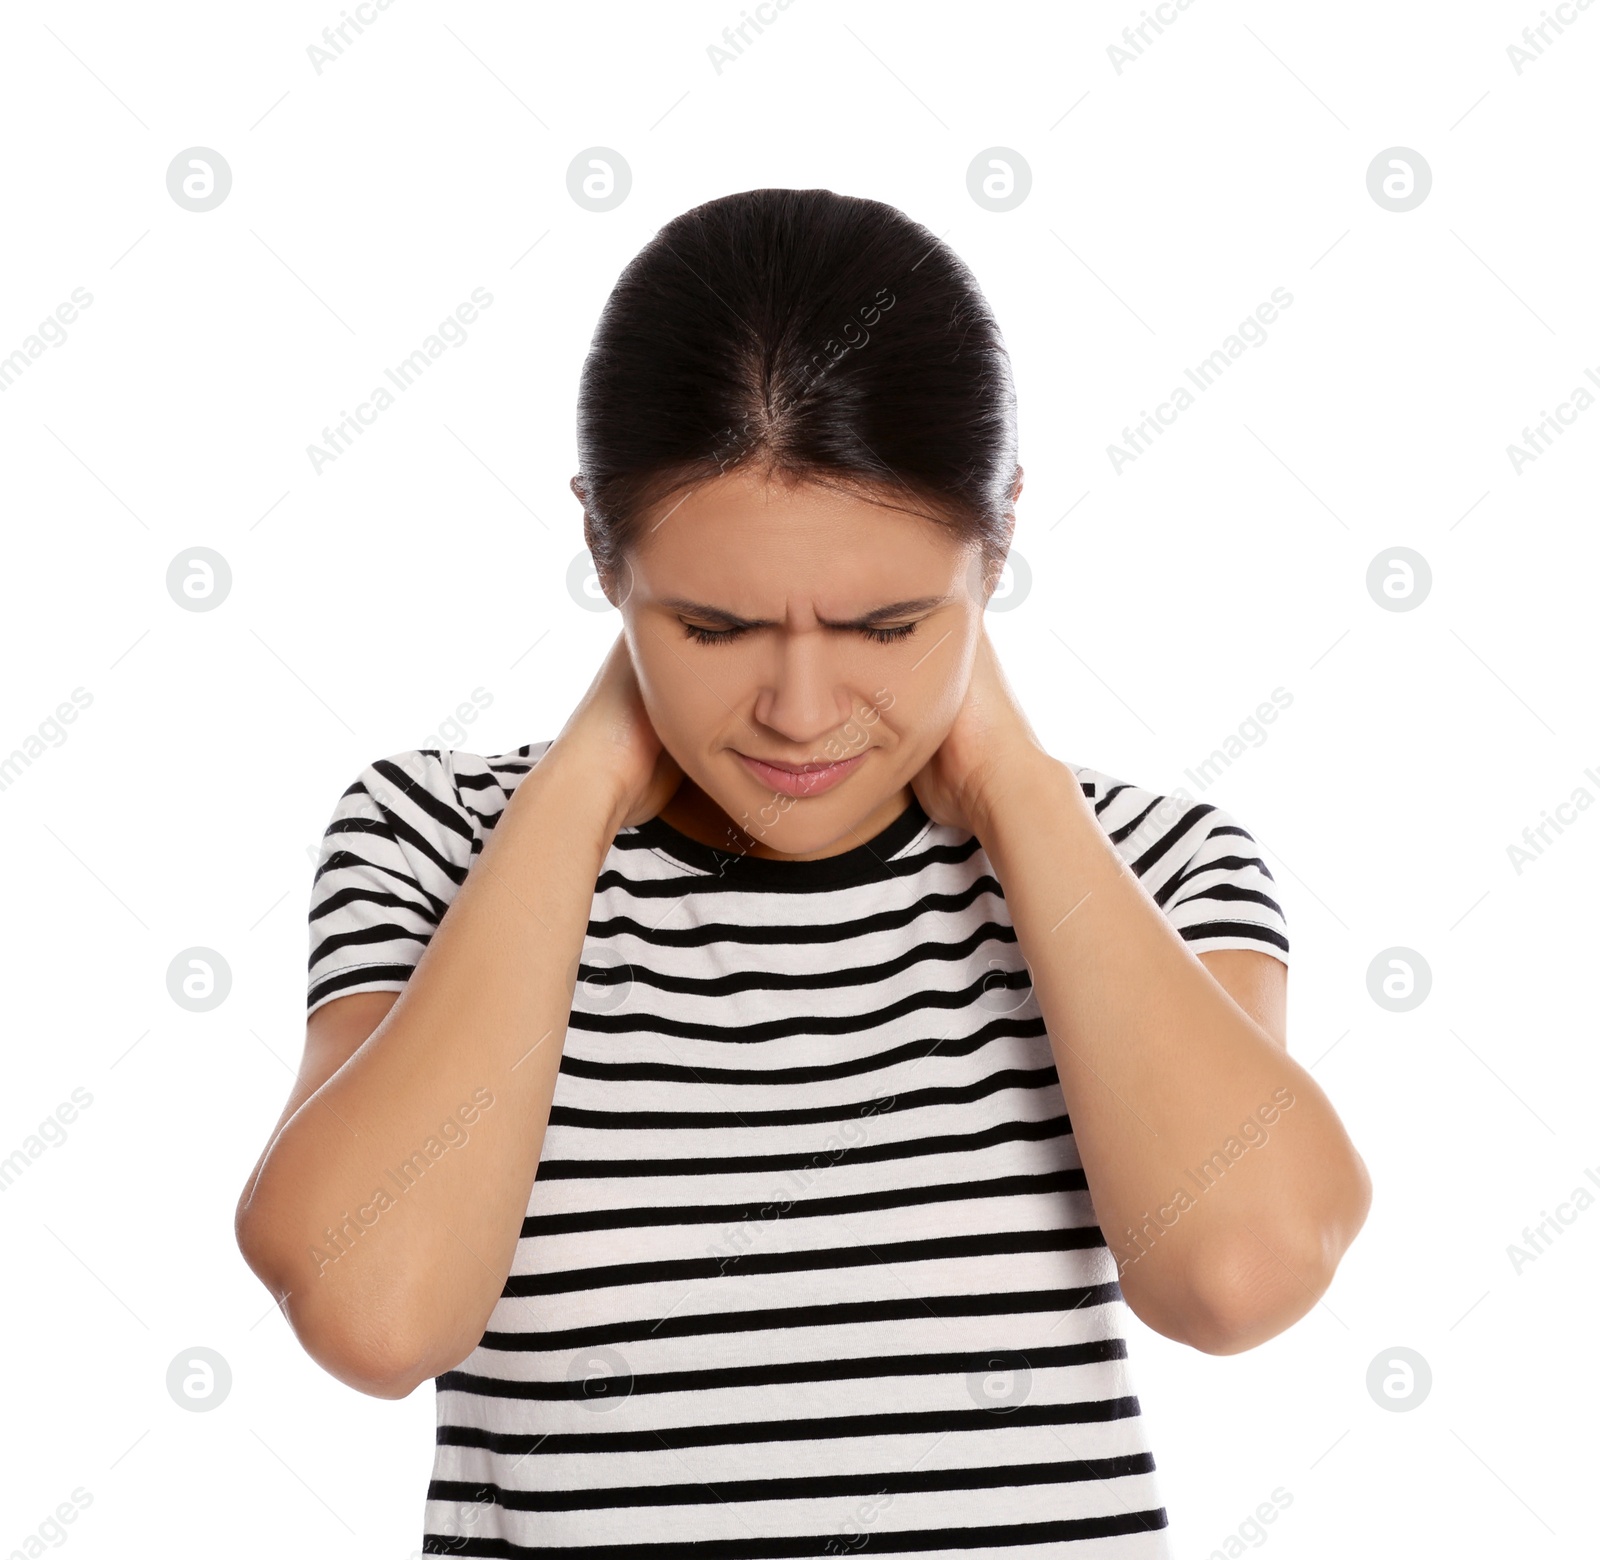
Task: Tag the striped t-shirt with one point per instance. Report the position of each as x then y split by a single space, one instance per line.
809 1266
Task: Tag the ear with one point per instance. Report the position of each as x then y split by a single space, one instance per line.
1009 530
591 539
1016 492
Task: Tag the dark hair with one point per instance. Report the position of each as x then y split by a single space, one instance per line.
822 338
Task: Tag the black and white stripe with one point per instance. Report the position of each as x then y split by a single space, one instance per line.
809 1266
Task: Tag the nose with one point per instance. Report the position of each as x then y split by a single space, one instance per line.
807 697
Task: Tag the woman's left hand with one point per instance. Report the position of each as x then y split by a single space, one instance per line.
988 746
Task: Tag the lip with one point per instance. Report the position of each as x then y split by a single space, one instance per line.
805 780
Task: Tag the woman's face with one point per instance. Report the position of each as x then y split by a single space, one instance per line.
822 673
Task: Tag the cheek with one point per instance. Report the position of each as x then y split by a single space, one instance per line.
674 698
914 703
928 701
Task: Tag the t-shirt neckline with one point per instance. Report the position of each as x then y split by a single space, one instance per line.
864 863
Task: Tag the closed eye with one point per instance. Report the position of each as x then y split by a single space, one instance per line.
709 636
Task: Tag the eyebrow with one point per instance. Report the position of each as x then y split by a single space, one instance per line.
894 609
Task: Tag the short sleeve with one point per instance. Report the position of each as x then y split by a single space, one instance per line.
1197 861
397 847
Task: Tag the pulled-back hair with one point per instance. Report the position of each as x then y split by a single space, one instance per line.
814 337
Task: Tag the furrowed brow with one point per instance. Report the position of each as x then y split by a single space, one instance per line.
720 615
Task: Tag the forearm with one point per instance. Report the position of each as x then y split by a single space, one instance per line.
379 1243
1161 1071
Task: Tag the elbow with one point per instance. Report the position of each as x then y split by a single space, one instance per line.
362 1346
366 1364
1246 1293
1249 1289
380 1376
1238 1284
371 1354
365 1358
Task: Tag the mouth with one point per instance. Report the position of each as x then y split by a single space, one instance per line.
800 779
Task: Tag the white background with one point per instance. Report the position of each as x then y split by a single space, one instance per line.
1167 602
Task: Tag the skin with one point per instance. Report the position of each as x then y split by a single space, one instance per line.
1162 1054
1165 1060
805 693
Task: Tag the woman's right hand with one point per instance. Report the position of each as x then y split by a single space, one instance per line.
611 724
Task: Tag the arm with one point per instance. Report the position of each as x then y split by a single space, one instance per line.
405 1286
1223 1180
386 1254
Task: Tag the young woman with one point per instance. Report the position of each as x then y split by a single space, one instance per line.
754 1105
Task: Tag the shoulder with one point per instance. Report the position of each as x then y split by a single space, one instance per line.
403 836
441 788
429 806
1139 818
1196 859
482 784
